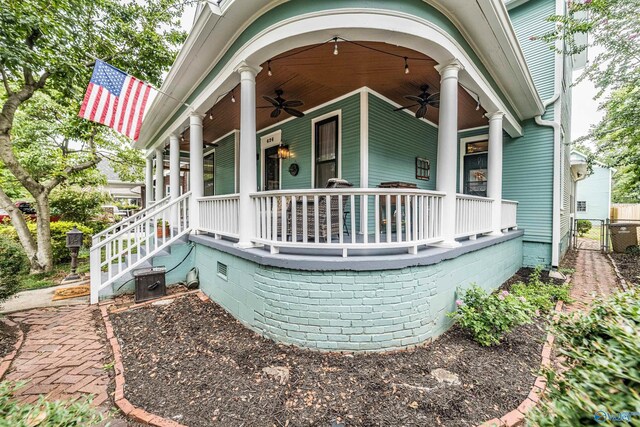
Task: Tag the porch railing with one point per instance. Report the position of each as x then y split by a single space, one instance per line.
117 252
509 214
473 215
353 218
219 215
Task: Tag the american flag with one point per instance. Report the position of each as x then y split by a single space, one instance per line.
116 99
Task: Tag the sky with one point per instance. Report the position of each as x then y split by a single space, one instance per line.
584 111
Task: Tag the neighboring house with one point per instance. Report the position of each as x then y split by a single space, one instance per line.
593 193
476 187
127 193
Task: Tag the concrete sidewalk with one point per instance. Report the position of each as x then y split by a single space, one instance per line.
39 298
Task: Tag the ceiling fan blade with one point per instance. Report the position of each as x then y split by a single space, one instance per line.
435 104
294 112
271 100
414 98
293 103
265 106
422 111
404 108
275 113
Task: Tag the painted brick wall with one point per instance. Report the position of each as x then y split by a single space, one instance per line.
348 310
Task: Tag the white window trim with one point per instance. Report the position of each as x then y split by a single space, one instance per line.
337 113
277 140
463 143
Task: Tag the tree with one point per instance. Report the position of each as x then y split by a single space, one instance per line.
613 25
47 51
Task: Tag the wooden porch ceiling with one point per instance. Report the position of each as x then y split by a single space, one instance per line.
315 76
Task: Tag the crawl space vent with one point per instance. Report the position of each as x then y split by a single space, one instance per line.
222 270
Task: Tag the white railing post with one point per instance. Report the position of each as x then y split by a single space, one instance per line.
196 167
148 181
447 147
248 151
95 274
159 173
494 178
174 176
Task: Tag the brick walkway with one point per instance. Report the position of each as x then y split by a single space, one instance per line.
62 356
594 276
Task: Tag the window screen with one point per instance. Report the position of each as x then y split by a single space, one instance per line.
582 206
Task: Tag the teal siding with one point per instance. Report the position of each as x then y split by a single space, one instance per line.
395 140
297 134
528 179
225 167
530 22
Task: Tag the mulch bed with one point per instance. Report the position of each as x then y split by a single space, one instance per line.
192 362
523 274
8 338
629 266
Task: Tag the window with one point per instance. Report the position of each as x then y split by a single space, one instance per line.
209 174
326 151
582 206
423 168
475 167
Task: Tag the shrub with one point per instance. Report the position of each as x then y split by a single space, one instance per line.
489 317
583 226
13 263
602 351
76 204
542 296
58 237
43 413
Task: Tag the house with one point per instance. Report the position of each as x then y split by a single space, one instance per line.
123 192
440 126
593 193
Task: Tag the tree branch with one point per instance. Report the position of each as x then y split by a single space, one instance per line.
5 81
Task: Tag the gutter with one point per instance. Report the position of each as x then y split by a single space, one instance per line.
557 131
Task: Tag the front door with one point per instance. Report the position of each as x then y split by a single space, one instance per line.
208 174
475 169
271 169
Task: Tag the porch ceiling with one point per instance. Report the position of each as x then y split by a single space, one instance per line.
316 76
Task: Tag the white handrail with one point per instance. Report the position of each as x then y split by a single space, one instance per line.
127 220
473 215
348 218
219 215
117 254
509 214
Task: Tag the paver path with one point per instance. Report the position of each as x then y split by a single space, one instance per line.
594 276
62 356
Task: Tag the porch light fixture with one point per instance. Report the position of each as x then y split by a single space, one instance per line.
233 98
406 65
73 243
283 152
210 115
269 72
335 45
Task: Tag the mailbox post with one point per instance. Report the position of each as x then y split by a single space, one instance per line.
74 242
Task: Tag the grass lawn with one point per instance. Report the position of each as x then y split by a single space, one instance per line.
593 234
46 280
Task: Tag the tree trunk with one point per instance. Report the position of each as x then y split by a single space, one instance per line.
45 251
24 235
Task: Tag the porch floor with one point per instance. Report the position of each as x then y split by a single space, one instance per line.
358 259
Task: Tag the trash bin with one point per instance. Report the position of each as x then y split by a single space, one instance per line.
623 235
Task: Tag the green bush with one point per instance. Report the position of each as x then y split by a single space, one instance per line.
44 413
58 237
76 204
13 263
542 296
602 351
489 317
583 226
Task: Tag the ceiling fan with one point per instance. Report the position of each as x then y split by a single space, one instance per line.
424 100
281 104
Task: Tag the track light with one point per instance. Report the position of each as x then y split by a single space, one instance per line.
269 72
210 115
233 98
182 137
477 104
335 45
406 65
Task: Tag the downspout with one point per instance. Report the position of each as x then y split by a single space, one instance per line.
555 227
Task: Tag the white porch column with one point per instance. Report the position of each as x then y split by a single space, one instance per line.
248 152
174 175
196 167
148 181
494 170
448 148
159 174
